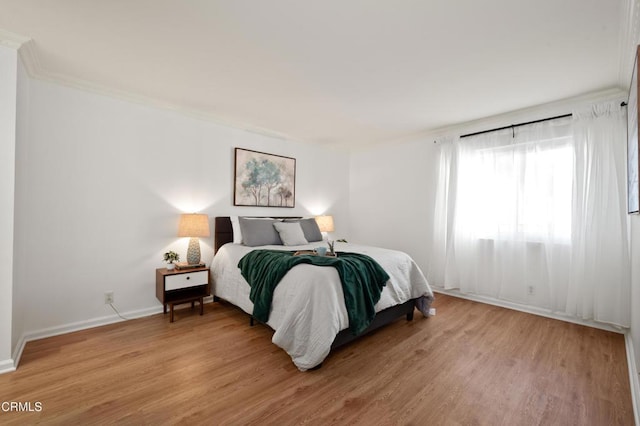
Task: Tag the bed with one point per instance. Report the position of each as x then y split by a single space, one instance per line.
308 313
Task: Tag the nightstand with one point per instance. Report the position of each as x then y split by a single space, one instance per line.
176 287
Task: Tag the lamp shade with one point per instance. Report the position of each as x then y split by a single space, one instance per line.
194 225
325 223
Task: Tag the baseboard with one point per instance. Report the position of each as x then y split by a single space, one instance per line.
634 381
7 366
12 365
529 309
17 352
95 322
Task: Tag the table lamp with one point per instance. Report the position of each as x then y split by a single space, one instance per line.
193 226
325 223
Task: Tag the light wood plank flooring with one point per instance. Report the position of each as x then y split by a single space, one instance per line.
471 364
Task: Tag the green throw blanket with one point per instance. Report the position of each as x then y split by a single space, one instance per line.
362 281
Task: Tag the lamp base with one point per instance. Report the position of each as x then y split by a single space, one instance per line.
193 253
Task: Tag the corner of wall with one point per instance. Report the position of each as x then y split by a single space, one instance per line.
634 380
8 78
7 366
629 39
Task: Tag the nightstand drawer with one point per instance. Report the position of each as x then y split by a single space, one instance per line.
189 279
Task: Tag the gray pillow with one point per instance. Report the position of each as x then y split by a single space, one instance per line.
259 232
290 233
310 228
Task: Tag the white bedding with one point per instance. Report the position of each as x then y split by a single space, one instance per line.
308 309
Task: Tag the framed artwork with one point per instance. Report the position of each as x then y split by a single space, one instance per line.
264 180
633 161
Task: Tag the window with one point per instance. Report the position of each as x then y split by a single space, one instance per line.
517 192
536 215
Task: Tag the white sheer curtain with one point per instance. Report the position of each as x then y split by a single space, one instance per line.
537 216
600 287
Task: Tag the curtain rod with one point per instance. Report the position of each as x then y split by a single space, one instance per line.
516 125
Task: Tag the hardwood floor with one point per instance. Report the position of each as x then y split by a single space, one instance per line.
471 364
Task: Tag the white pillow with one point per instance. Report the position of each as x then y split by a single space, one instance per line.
237 234
291 234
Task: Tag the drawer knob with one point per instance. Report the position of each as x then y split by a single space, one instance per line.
188 277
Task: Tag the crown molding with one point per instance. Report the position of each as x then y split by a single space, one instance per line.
26 50
36 71
629 40
536 112
12 40
28 53
29 57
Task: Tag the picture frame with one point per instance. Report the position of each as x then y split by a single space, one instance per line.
263 180
633 160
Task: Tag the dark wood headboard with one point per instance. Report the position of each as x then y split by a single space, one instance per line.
223 232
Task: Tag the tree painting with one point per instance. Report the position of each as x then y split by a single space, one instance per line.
264 180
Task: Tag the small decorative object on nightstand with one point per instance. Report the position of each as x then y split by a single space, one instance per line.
185 265
177 287
170 257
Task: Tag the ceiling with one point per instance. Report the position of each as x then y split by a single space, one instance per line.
342 72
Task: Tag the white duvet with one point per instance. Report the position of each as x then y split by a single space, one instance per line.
308 309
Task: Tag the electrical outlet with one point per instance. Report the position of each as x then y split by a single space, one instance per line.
108 298
531 290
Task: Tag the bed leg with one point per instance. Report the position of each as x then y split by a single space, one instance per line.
251 321
410 315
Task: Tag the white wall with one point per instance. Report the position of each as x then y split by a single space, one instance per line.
635 288
103 184
392 193
8 76
20 194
